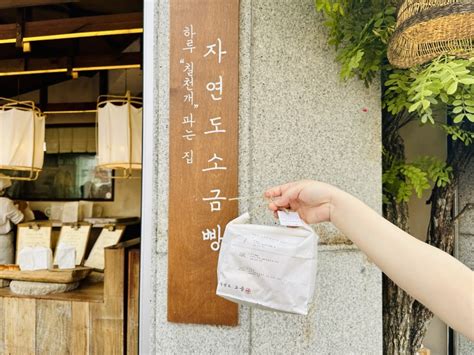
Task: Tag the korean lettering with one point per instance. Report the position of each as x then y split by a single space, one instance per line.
189 33
215 159
189 135
215 201
188 156
188 81
211 49
188 120
215 123
216 87
214 235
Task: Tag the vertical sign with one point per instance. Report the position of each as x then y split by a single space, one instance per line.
203 154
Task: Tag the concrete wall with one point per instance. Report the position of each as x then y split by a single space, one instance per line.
297 120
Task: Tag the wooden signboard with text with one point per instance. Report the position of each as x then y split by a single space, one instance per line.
204 86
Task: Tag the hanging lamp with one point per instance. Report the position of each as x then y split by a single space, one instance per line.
22 128
119 134
426 29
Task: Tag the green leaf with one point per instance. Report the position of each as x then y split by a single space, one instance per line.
444 97
467 81
458 118
414 106
457 109
452 88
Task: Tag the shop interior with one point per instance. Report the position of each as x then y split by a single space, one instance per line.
70 175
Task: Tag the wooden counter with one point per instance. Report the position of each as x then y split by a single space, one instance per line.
93 319
87 292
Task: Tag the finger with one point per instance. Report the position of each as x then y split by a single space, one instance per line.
288 196
278 190
272 206
281 202
273 191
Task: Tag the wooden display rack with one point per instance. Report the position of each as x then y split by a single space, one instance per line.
99 318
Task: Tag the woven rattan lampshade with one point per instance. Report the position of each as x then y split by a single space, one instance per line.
428 28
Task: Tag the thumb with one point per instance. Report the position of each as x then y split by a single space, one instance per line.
281 201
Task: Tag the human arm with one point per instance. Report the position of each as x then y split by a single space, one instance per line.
25 209
13 213
433 277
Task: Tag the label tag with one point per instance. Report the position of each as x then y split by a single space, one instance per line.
289 219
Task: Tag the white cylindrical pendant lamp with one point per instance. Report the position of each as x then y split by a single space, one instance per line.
22 141
119 136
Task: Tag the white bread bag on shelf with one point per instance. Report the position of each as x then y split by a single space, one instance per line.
269 267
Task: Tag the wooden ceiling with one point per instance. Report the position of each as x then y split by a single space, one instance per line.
94 23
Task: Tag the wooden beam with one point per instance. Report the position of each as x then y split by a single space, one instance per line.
79 27
8 4
21 66
70 106
71 120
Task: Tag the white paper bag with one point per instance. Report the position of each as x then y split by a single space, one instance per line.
268 266
37 258
66 256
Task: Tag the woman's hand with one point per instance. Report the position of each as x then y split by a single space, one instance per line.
311 199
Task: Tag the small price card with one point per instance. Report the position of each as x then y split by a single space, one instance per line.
290 219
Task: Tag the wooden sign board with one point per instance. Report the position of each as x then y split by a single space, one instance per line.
108 236
204 85
33 235
75 236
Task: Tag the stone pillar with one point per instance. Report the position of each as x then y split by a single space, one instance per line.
297 120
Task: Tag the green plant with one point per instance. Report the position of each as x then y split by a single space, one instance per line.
360 31
445 80
403 179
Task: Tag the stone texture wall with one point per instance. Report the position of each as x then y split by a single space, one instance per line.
297 120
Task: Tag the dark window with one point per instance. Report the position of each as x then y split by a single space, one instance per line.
65 177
